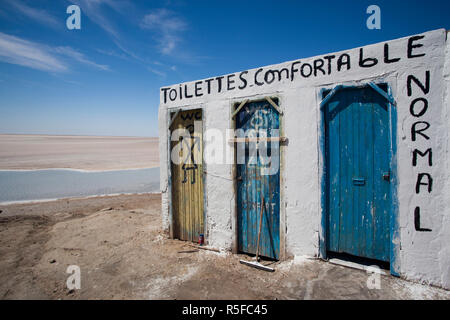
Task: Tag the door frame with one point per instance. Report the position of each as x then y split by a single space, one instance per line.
234 216
393 209
175 111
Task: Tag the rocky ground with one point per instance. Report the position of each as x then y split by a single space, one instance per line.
122 254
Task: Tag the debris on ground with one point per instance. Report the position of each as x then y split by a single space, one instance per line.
123 258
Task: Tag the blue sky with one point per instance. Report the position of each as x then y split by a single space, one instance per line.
104 79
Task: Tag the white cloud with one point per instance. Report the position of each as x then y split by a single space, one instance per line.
167 26
113 53
93 9
78 56
128 52
159 73
163 20
38 15
30 54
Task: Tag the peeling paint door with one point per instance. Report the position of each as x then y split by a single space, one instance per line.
358 173
187 176
257 179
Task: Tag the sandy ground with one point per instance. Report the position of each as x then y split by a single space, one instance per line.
77 152
122 254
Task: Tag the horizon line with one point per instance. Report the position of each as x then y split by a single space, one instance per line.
72 135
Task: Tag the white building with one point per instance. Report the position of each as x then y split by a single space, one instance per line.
363 141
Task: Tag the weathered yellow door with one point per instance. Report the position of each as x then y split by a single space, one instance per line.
187 175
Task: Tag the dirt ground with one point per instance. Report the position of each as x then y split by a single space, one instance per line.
122 254
30 152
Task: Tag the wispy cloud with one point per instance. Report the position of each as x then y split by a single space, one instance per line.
29 54
34 55
38 15
94 9
127 51
157 72
113 54
78 56
167 26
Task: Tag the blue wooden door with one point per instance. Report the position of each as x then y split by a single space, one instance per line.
358 173
253 184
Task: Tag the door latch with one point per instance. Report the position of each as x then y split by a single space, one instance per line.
359 181
387 176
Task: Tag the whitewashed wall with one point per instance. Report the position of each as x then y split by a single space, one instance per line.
445 235
422 256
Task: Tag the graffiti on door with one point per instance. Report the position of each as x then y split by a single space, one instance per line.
187 175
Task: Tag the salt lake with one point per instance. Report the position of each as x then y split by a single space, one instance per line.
18 186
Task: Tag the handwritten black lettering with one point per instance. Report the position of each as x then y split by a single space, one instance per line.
425 88
412 46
